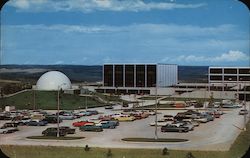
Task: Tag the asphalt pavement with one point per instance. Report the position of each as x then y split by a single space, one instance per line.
215 135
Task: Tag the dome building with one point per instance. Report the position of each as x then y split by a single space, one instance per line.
53 80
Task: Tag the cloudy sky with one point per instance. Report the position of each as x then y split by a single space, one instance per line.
93 32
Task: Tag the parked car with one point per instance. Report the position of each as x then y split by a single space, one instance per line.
159 123
115 122
187 124
68 130
125 118
151 112
243 112
82 113
89 127
136 115
5 116
81 123
52 119
67 116
174 128
24 121
52 131
8 130
92 112
107 124
105 118
202 119
208 116
10 124
94 120
37 123
109 107
168 117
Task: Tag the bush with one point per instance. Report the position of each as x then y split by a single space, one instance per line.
190 155
165 151
109 153
87 148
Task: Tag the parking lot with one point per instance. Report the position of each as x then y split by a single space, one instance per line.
215 135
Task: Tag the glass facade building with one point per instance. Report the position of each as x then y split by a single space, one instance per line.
139 75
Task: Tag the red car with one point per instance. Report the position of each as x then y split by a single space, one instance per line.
81 123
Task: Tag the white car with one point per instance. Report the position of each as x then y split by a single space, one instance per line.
243 112
159 123
202 119
8 130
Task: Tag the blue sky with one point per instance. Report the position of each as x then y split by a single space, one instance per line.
93 32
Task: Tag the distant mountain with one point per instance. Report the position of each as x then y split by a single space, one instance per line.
193 74
82 73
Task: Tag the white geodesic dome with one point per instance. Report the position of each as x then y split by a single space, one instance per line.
53 80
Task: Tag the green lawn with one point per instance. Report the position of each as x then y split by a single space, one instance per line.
158 106
177 99
239 147
154 140
149 98
48 100
109 97
54 138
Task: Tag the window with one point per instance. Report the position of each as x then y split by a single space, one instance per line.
216 78
129 75
108 75
118 75
244 78
151 75
230 71
230 78
140 75
244 71
216 71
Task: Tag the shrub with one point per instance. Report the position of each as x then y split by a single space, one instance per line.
87 148
165 151
190 155
109 153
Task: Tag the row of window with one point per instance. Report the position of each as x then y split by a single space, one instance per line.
130 75
229 78
123 91
230 71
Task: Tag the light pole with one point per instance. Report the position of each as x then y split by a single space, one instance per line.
34 99
245 116
58 106
244 104
156 102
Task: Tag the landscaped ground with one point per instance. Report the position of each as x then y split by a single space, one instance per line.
48 100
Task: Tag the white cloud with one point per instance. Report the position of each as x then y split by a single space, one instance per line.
26 4
58 62
157 29
230 56
101 5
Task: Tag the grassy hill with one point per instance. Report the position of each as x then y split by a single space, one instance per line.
48 100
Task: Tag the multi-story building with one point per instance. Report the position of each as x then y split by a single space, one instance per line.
229 74
137 78
231 79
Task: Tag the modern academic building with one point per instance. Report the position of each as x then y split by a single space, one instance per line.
231 79
137 78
